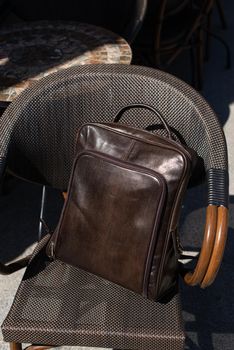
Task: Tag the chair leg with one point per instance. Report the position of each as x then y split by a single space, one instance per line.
221 14
15 346
208 41
42 213
226 47
193 64
199 61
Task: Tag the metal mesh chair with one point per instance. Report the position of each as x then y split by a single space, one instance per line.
58 304
170 30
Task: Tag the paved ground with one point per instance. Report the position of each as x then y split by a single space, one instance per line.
208 314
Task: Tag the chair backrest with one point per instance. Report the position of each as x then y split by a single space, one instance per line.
43 121
121 16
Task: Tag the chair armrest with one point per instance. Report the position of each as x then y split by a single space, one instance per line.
219 246
196 277
212 250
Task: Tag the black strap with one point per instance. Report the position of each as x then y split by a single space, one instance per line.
141 105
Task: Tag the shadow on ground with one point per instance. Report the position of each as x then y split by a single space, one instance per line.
19 213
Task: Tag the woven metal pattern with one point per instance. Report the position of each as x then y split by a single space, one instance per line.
61 305
43 121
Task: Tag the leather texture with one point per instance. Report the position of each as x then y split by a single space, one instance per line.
121 214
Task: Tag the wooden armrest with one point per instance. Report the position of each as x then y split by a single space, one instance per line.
219 246
15 266
212 250
196 277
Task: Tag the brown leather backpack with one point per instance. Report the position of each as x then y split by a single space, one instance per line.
121 214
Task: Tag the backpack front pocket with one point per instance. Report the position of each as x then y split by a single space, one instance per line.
111 218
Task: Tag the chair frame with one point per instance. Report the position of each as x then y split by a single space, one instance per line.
198 43
134 27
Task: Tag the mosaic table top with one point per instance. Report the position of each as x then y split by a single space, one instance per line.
30 52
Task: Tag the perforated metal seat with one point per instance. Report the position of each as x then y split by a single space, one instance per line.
58 304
